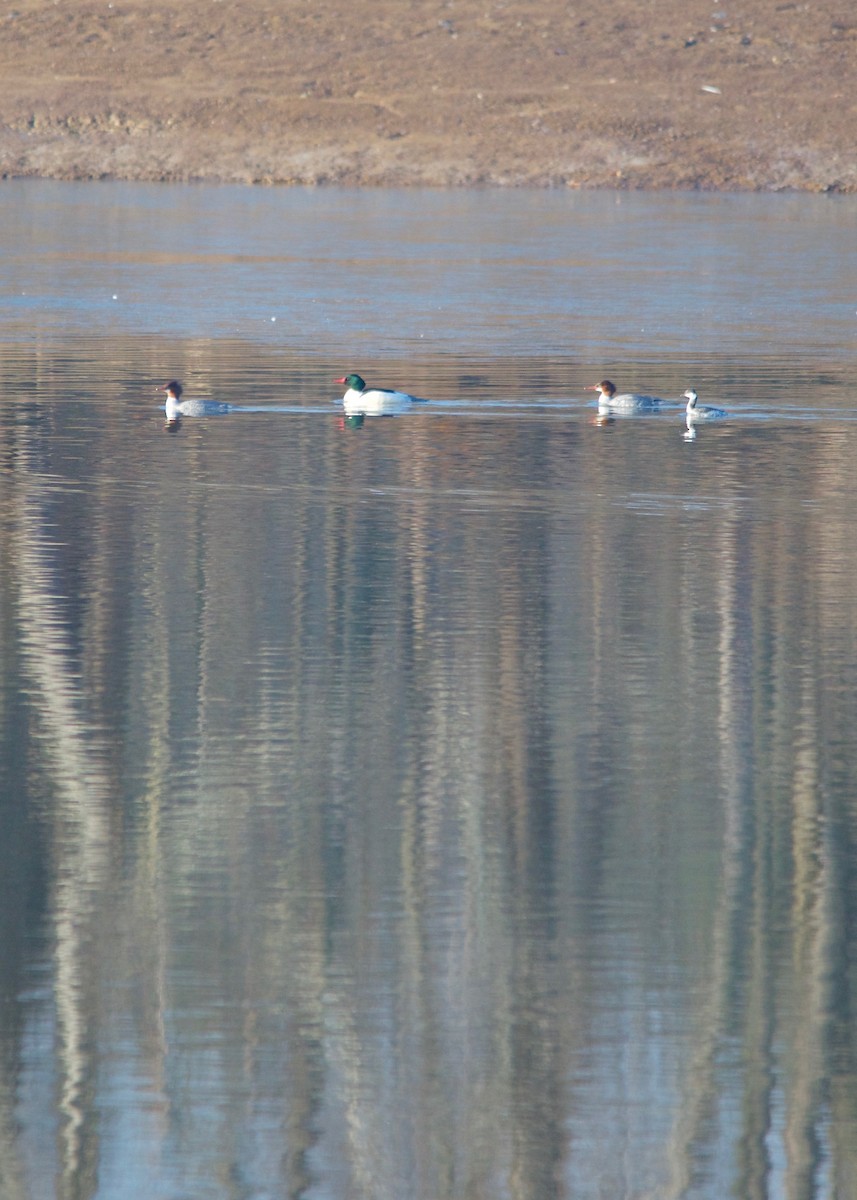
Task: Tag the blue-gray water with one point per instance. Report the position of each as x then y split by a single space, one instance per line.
462 805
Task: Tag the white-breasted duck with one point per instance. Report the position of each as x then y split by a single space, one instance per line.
612 401
175 407
359 398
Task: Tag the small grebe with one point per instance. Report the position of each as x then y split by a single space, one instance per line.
701 412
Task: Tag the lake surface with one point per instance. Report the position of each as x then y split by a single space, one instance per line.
450 806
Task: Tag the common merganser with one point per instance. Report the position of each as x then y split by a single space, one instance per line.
374 401
175 407
611 401
701 412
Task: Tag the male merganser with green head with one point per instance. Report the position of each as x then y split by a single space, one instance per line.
176 408
374 401
701 412
610 400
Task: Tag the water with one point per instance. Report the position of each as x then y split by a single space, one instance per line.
460 805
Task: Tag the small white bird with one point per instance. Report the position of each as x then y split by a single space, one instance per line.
609 400
701 412
376 402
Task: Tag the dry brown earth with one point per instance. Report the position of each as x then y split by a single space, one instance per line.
743 94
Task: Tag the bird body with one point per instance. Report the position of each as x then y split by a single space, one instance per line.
175 408
701 412
609 400
360 399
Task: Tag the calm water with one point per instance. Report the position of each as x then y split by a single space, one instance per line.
458 807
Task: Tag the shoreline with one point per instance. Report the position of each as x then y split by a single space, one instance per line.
441 93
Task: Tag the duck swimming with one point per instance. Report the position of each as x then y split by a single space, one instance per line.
175 407
612 401
374 401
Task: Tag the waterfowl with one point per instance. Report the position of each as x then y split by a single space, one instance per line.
701 412
359 398
612 401
175 407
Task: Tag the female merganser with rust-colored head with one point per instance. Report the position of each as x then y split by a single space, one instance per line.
373 401
176 408
614 401
701 412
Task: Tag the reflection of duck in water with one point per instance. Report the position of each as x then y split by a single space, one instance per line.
701 412
609 400
375 402
176 408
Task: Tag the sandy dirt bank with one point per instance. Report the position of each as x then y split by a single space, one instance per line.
756 94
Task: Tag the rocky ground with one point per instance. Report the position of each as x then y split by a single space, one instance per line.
738 94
